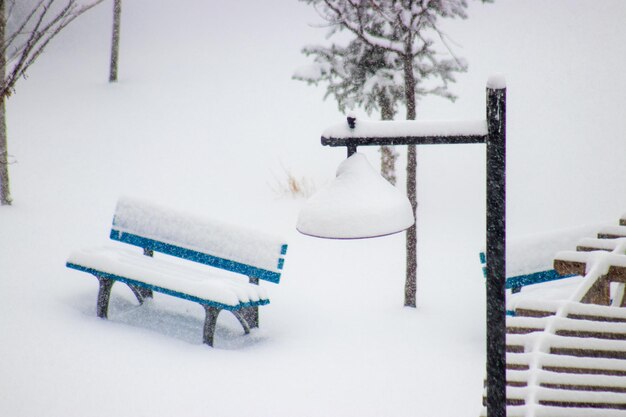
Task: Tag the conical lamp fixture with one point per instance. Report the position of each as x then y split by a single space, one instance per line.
358 204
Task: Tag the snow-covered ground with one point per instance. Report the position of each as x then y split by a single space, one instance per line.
206 118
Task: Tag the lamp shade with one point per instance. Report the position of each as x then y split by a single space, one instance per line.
359 203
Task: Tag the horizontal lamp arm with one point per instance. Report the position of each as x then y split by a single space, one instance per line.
409 140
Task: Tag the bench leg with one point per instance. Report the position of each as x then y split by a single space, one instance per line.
211 320
104 293
142 293
242 320
251 314
209 324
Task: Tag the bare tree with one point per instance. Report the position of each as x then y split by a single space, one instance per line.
408 30
26 28
115 39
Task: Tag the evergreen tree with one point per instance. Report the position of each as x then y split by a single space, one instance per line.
358 76
400 45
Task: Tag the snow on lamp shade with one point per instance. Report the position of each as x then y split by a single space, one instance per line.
359 203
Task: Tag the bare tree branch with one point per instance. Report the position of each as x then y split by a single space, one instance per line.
24 38
40 25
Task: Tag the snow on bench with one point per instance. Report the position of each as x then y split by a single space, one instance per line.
199 239
529 259
205 242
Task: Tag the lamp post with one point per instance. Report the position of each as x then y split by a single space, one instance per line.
496 247
491 132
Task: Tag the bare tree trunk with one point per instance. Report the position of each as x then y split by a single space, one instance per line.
115 41
410 286
5 193
388 155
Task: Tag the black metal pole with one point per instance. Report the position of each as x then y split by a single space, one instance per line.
496 251
351 124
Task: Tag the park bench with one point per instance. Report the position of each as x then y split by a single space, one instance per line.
529 259
516 282
201 241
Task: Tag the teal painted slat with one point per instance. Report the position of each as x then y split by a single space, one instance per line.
283 249
535 278
526 279
173 293
191 255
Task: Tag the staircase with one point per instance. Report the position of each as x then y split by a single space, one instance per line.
568 358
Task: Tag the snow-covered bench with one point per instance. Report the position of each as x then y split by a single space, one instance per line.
219 245
529 259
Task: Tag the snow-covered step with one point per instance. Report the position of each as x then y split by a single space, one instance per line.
537 410
567 364
574 310
589 244
517 378
612 232
566 345
578 382
563 398
559 380
563 326
569 398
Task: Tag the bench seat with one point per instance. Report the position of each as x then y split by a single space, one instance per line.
176 279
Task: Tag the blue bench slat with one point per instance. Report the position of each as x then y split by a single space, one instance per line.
527 279
535 278
165 290
200 257
483 258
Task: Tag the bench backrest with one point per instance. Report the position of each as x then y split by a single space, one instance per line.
529 259
218 244
522 280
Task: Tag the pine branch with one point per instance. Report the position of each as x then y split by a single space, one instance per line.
361 32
